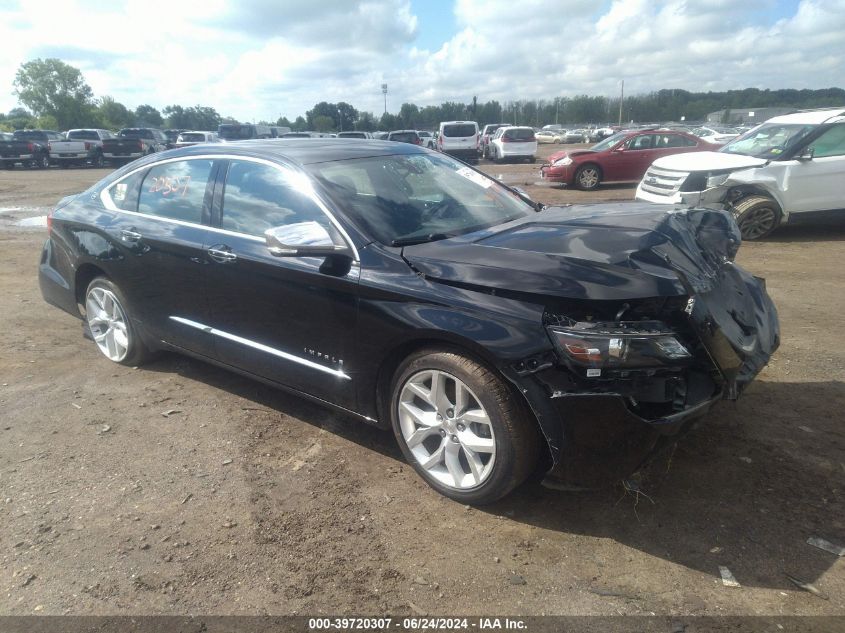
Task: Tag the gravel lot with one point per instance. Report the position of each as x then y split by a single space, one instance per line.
181 488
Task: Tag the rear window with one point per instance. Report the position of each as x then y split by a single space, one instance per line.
193 137
83 135
231 132
459 129
30 136
521 134
352 135
404 137
135 134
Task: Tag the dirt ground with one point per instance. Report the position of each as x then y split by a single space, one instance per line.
181 488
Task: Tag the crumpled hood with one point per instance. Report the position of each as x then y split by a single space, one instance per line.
572 153
602 252
708 161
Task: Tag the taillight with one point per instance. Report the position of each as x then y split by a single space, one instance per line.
87 146
418 141
141 145
50 222
30 147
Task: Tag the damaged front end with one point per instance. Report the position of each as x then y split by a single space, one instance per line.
630 377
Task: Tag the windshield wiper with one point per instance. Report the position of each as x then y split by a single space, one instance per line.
410 240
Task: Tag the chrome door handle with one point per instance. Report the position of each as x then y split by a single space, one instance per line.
128 235
221 254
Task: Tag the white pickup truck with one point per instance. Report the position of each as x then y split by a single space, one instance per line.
789 169
81 147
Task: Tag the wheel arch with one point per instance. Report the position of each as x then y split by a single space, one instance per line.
740 192
587 163
445 341
85 274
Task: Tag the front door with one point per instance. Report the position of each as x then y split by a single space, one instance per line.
817 184
289 319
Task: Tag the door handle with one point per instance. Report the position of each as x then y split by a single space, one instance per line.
130 235
221 254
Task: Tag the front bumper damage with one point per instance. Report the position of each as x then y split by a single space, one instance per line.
602 430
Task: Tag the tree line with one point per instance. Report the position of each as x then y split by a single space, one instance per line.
54 95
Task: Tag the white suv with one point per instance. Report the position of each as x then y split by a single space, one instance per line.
459 138
786 170
513 142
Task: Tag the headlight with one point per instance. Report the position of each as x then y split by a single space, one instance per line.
625 345
562 162
717 180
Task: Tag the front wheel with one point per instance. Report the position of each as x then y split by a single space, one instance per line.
461 427
107 317
588 177
756 216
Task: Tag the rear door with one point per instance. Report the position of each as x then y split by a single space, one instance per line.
816 184
288 319
160 225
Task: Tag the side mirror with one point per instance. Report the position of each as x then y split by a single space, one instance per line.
303 239
806 154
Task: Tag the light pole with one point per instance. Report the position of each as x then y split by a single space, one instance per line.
340 119
621 99
384 92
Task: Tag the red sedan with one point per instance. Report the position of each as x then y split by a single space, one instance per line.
623 157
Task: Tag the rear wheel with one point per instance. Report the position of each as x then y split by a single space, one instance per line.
107 317
461 428
757 216
588 177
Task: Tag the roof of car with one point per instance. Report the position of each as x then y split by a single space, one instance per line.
811 117
304 151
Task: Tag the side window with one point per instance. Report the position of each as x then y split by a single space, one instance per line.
258 197
831 143
176 190
673 140
124 194
643 141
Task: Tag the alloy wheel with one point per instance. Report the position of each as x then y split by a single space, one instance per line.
447 429
757 222
107 322
588 177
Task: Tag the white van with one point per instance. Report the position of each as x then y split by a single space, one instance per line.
786 170
459 138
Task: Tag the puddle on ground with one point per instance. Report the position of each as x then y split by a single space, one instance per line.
40 220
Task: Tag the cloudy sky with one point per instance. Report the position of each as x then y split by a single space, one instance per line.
259 59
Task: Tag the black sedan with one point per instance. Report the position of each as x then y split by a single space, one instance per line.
495 336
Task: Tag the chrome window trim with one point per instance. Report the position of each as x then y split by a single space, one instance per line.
105 198
261 347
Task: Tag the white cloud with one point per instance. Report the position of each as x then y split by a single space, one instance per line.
264 58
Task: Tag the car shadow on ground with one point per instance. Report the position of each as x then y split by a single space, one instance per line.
832 230
745 489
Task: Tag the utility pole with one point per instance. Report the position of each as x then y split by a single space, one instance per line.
621 100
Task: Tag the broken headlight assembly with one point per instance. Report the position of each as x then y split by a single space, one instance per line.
594 347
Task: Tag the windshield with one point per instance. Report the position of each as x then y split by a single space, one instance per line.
231 132
352 135
134 133
769 140
609 142
519 134
192 137
406 199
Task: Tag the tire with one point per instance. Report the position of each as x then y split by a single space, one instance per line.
107 316
757 217
98 162
43 162
588 177
474 456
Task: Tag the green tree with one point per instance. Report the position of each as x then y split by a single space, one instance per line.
323 123
113 115
17 119
283 122
346 116
148 116
51 87
409 113
324 109
366 122
300 125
